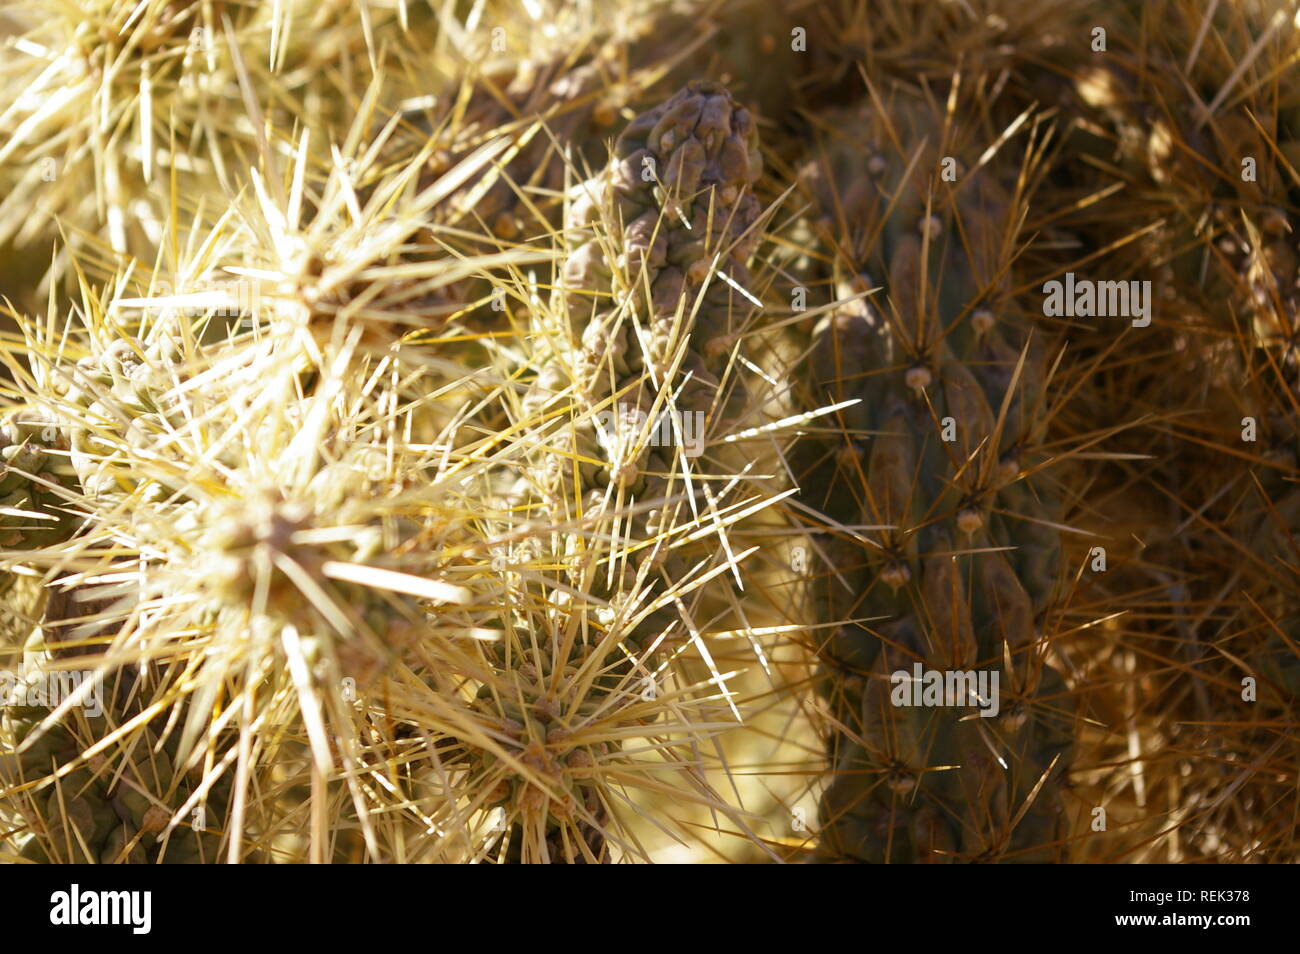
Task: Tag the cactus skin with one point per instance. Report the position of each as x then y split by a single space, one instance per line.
960 577
33 465
678 191
116 806
679 195
120 818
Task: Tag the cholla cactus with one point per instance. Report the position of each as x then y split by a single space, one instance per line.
654 305
680 189
940 557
